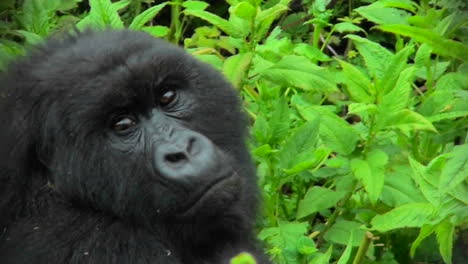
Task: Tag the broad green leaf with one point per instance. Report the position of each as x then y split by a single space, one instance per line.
195 5
440 45
430 192
316 199
407 120
245 10
403 4
120 4
311 52
452 82
393 69
217 21
102 14
36 17
375 56
399 96
358 85
371 172
399 187
31 38
307 160
335 133
323 258
409 215
299 72
235 68
347 27
146 16
157 31
423 56
444 234
301 142
424 232
342 231
383 15
279 121
456 169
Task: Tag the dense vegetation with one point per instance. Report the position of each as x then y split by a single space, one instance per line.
359 112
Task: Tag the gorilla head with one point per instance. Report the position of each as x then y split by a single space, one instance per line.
128 134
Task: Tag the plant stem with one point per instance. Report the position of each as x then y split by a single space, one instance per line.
363 248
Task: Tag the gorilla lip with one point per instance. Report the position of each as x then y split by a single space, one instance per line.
230 179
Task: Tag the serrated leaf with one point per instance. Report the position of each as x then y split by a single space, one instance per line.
302 141
407 120
440 45
316 199
399 187
371 172
279 121
358 85
336 133
102 14
146 16
383 15
444 234
408 215
217 21
266 17
299 72
375 56
398 98
236 67
393 69
423 56
455 170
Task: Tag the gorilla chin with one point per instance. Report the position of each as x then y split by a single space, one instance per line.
122 148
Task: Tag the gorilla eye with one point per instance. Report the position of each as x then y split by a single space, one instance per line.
123 123
167 97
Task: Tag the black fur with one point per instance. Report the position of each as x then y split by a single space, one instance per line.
72 190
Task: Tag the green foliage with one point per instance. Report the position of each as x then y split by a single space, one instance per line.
359 129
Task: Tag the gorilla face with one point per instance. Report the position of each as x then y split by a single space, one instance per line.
128 124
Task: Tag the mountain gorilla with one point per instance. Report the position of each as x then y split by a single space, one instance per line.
117 147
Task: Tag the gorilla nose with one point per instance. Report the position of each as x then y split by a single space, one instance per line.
185 155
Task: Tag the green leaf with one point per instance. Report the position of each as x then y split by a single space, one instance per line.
440 45
393 69
371 172
235 68
266 17
345 257
423 56
342 231
121 4
217 21
299 72
323 258
146 16
31 38
424 232
399 187
406 120
317 199
383 15
195 5
430 192
347 27
245 11
243 258
399 96
302 141
102 14
279 121
409 215
455 170
358 85
336 133
157 31
375 56
444 235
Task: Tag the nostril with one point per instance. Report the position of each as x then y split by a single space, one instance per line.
190 145
175 157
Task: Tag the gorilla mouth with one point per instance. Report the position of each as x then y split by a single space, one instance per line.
224 189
